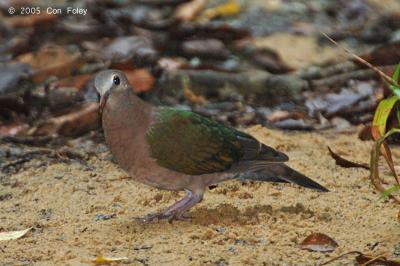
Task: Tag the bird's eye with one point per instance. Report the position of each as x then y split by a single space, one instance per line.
116 81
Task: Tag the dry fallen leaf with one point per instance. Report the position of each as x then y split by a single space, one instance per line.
188 11
13 129
13 234
52 61
319 242
230 8
189 95
141 80
99 260
363 259
77 122
346 163
75 81
67 92
31 20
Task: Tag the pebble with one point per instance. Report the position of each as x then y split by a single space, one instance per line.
104 217
5 196
220 229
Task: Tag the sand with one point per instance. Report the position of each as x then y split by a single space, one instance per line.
79 212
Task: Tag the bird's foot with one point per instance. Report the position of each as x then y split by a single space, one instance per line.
177 211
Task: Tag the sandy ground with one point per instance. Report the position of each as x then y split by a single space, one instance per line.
68 204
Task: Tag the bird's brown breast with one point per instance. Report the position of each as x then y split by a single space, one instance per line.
126 120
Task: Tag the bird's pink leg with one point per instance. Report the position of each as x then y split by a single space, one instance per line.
178 209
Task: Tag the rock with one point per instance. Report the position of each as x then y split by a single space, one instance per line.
12 75
288 87
104 217
138 49
208 48
273 88
5 196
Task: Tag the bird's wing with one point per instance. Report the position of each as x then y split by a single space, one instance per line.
193 144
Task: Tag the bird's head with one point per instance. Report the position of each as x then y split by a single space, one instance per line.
107 82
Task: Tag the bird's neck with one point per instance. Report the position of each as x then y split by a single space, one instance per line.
125 122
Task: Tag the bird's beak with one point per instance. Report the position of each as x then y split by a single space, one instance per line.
103 101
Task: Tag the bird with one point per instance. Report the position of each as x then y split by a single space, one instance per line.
179 150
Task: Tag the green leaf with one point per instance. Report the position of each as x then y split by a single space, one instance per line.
396 74
374 169
386 194
395 90
382 113
378 130
398 115
395 77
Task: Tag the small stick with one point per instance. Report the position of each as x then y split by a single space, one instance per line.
130 242
373 260
341 256
359 59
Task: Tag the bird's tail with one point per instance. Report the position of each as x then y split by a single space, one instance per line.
278 172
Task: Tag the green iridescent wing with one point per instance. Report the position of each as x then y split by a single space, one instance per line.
193 144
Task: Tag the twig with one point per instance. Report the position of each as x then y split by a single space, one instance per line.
327 71
143 247
341 256
338 80
376 69
15 163
54 154
26 157
373 260
119 178
28 140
